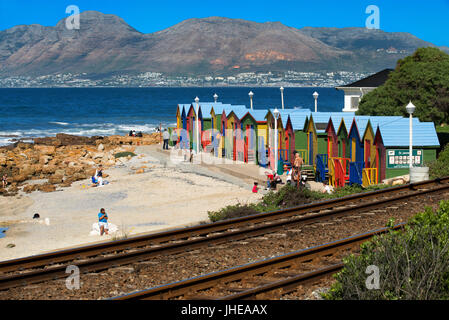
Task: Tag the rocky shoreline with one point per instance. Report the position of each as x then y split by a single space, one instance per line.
61 160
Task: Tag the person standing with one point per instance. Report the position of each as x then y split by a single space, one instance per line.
165 136
174 138
103 222
5 180
297 165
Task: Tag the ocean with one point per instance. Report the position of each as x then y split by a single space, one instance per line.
38 112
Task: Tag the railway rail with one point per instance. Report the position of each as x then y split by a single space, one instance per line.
97 257
256 279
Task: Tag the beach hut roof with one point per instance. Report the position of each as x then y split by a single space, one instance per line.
299 119
362 123
227 108
284 114
258 114
339 125
239 112
206 108
397 134
321 119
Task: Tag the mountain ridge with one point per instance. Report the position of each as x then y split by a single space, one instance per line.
106 44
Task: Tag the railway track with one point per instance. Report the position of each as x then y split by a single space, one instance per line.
279 275
97 257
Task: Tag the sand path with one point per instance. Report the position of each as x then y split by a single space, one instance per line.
164 197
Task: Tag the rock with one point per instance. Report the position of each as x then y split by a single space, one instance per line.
100 147
10 245
49 169
140 171
45 150
19 178
30 188
46 187
43 160
55 179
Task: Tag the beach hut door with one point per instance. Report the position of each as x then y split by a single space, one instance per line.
367 154
310 148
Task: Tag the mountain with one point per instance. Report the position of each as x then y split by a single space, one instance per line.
105 44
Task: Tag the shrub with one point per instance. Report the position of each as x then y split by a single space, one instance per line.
440 167
413 263
124 154
232 211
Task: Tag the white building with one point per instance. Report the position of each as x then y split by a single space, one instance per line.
355 91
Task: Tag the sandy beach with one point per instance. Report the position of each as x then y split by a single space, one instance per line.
164 196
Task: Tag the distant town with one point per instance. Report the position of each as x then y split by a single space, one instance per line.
155 79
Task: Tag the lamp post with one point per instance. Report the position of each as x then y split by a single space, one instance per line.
276 117
315 96
282 97
197 126
215 97
410 109
251 94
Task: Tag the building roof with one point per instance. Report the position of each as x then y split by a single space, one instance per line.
298 117
298 120
321 119
227 108
258 114
206 108
396 134
238 111
373 81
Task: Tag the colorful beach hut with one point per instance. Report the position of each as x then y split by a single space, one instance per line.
392 143
254 125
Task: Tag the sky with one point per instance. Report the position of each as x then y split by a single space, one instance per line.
427 20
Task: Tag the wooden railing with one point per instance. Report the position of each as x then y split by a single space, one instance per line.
321 163
331 171
339 171
369 176
355 172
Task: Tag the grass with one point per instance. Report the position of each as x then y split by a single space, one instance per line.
124 154
286 197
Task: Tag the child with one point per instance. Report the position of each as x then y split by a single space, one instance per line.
255 187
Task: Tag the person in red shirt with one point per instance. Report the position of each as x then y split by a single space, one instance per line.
255 187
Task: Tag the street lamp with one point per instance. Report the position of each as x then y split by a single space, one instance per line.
197 100
251 94
282 97
215 97
315 96
276 117
410 109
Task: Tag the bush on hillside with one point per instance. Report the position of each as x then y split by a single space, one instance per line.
413 264
440 167
422 78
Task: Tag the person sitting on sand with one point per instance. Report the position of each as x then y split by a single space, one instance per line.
99 172
94 181
103 221
4 180
255 188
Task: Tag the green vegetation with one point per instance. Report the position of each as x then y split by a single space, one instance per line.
422 78
124 154
440 167
286 197
413 264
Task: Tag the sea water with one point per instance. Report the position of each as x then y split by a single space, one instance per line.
39 112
